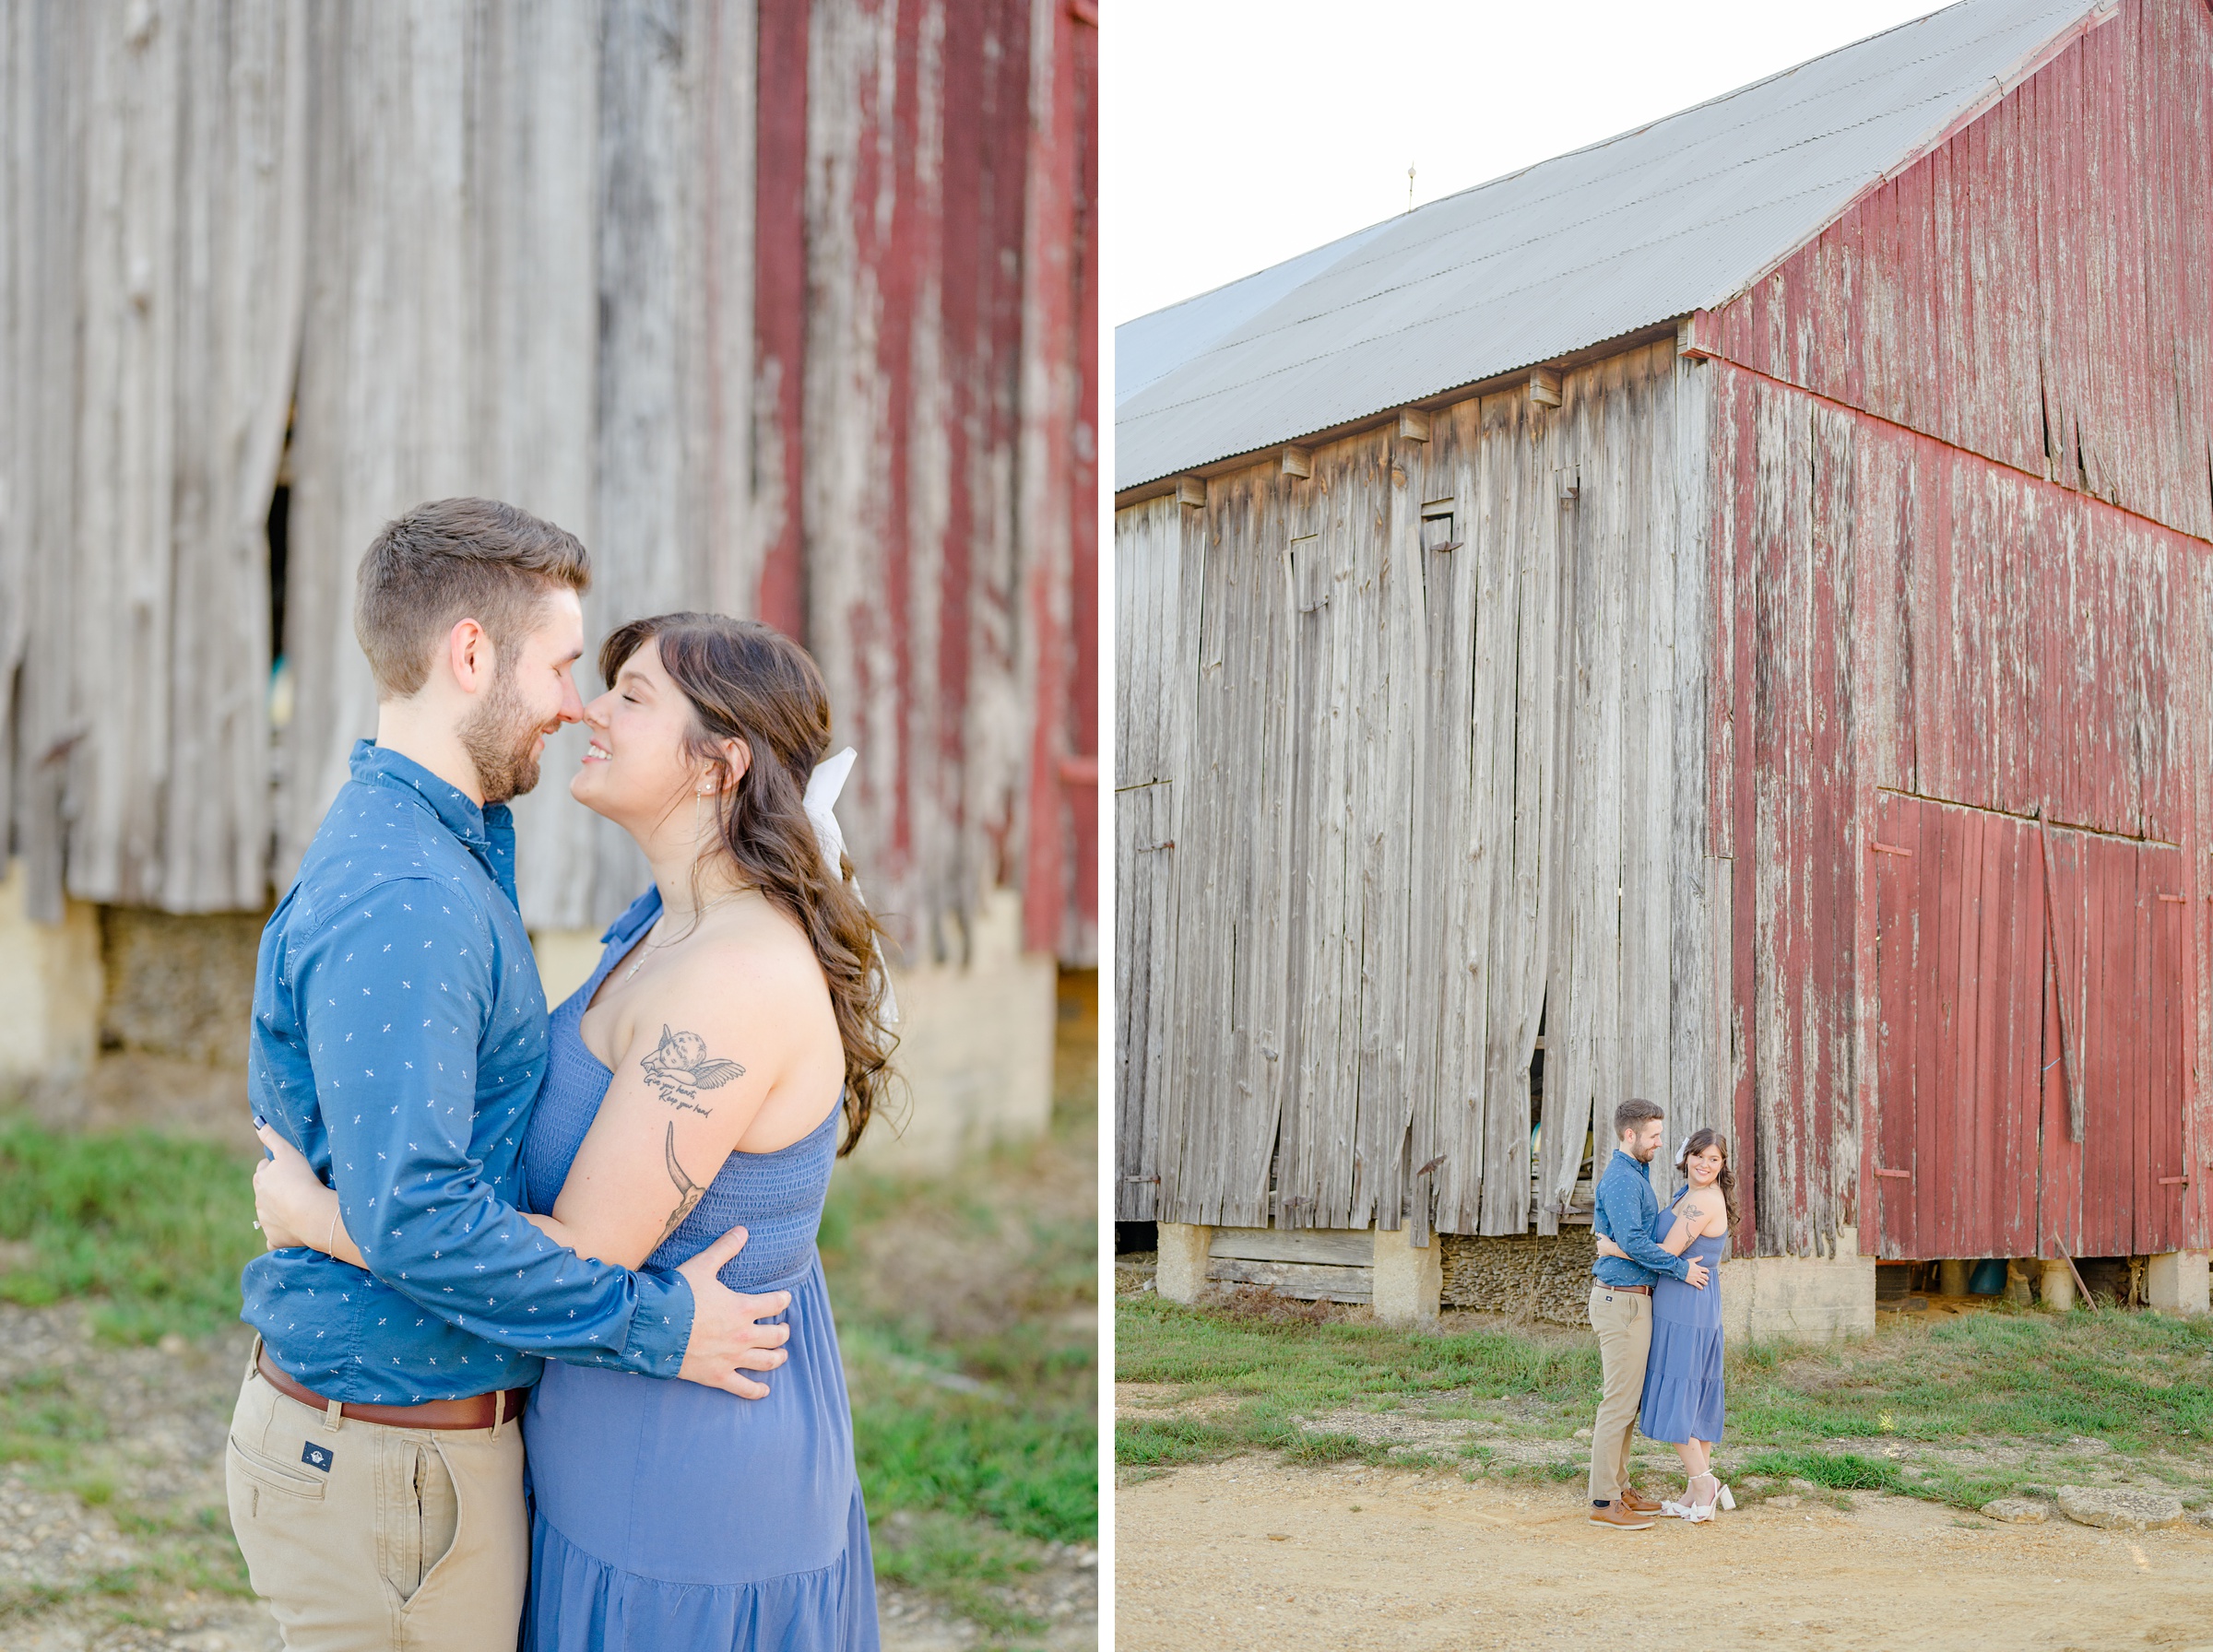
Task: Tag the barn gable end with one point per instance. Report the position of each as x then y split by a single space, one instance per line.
2038 289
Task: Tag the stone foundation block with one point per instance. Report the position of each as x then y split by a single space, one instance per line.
1180 1274
1408 1279
2175 1281
1805 1299
53 985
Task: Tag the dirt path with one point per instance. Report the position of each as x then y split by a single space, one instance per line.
1251 1553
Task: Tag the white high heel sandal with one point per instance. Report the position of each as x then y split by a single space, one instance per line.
1698 1513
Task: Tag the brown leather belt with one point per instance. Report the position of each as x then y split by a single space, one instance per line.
476 1411
1626 1290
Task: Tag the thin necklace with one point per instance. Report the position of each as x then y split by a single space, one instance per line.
650 945
644 946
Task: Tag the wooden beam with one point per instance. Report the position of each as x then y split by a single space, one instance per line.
1299 462
1693 336
1544 388
1191 491
1414 426
1569 481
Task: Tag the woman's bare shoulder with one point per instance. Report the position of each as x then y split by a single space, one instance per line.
1703 1206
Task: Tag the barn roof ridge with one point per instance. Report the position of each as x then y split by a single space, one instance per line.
1240 367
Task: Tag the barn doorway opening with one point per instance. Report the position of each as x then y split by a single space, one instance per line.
279 537
1536 1114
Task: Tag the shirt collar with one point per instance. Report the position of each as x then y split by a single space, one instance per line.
487 831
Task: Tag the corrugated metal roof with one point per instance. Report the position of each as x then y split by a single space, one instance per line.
1676 216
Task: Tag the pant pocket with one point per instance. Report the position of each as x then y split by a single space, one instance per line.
423 1523
263 1473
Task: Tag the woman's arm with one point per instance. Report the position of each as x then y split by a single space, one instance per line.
691 1072
693 1068
1692 1219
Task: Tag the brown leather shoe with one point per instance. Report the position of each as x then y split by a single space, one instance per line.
1621 1518
1631 1497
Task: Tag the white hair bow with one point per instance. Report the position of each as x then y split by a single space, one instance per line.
1683 1156
822 789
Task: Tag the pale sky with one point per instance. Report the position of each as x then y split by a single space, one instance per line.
1239 132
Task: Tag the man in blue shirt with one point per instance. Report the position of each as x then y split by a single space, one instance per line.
399 1037
1625 1208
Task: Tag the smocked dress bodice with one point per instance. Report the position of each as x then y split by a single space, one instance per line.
778 1197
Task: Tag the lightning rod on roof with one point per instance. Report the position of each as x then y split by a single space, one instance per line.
1410 188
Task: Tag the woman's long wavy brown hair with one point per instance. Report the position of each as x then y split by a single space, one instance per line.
1699 1141
749 682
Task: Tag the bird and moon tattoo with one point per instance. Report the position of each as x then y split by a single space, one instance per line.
679 1068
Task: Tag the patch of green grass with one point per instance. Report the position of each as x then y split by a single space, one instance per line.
153 1230
1839 1471
975 1370
1166 1442
42 1421
2142 1383
2138 1381
1024 1461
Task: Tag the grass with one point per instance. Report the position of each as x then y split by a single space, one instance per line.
153 1230
968 1310
2141 1383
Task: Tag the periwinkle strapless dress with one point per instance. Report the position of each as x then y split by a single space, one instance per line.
1683 1391
672 1517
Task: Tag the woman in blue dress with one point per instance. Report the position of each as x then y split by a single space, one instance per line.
1684 1401
731 1043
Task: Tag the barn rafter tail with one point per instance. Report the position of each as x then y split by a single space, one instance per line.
784 309
1723 616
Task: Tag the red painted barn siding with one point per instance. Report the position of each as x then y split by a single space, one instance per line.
2038 289
780 307
920 204
1894 613
1061 905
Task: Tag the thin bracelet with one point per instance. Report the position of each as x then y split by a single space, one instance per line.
330 1240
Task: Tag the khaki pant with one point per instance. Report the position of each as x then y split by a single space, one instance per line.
1623 1320
368 1539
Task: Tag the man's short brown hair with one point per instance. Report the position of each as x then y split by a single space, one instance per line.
1634 1113
454 559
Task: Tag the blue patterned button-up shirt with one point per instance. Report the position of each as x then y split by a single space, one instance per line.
399 1038
1624 1209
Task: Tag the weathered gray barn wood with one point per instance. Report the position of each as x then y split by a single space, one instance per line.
41 88
1433 765
781 313
1152 571
675 424
428 368
151 291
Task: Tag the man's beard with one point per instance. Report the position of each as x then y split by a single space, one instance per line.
502 740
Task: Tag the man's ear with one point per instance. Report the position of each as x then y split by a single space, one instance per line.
470 655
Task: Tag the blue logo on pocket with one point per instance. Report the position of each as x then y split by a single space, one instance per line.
317 1457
